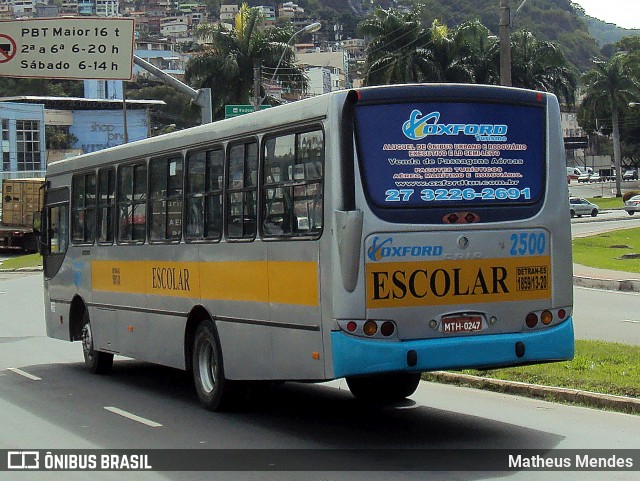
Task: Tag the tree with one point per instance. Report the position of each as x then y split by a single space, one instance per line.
540 65
226 64
612 84
479 51
399 50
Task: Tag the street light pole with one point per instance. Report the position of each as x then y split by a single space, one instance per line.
311 28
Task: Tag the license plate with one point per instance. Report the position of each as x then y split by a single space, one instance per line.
461 324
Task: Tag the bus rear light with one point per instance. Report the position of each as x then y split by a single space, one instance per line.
562 313
352 326
387 328
531 320
370 328
546 317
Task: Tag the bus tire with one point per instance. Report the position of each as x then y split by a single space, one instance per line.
384 388
97 362
214 391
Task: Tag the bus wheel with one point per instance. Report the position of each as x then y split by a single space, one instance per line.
384 388
213 389
98 362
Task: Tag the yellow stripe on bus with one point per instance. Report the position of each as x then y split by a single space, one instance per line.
252 281
444 282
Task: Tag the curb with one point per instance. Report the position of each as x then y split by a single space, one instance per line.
624 285
607 401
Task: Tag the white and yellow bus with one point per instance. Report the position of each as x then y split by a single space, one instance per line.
370 234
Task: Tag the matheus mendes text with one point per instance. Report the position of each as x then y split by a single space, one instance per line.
579 461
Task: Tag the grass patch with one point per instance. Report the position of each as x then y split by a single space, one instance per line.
30 260
598 366
597 250
607 202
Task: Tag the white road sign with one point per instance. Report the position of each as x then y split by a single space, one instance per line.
67 47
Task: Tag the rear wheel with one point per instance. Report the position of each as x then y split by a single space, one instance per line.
97 362
384 388
573 213
631 212
214 391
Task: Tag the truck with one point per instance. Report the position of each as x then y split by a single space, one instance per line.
21 198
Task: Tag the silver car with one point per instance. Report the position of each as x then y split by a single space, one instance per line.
579 207
632 205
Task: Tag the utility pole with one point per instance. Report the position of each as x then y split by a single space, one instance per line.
257 73
505 44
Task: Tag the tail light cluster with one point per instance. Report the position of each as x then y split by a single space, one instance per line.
380 329
546 317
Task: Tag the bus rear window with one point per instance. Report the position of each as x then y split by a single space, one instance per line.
461 155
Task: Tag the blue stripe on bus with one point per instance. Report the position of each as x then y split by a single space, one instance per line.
355 355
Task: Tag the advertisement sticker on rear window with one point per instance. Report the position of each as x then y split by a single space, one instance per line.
451 153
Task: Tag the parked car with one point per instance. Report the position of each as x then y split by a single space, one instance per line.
579 207
630 175
595 178
632 205
583 178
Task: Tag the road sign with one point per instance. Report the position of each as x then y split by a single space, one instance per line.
235 110
7 48
67 47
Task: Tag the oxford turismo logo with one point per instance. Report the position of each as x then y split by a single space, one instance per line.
383 249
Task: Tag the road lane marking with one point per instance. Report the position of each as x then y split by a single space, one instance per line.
133 417
630 321
24 374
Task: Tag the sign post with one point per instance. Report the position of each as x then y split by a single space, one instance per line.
67 48
235 110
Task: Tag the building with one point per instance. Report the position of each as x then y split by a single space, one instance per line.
93 124
228 13
23 140
333 62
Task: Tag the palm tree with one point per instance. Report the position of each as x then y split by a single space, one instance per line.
448 56
229 60
540 65
612 83
399 50
479 51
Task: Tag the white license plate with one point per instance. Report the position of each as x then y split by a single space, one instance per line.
452 325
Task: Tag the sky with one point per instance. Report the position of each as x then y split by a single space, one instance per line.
624 13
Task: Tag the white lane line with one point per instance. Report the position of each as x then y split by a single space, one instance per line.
24 374
133 417
631 322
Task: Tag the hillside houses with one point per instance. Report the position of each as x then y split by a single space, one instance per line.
165 32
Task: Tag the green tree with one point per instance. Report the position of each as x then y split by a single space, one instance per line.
612 84
479 51
227 63
540 65
399 49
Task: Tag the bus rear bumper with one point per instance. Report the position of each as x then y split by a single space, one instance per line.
357 356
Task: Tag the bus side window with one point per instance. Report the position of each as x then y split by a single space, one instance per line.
106 201
293 185
132 202
57 230
241 206
83 207
165 203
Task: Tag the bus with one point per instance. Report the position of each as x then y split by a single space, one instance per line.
369 234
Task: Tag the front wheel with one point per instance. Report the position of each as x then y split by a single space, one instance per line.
631 212
384 388
214 391
594 213
97 362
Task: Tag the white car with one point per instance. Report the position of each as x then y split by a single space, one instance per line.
579 207
632 205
